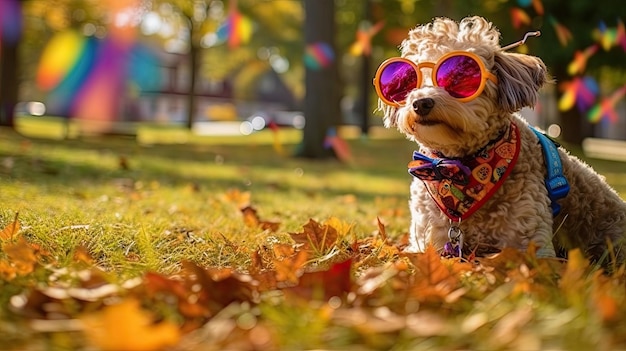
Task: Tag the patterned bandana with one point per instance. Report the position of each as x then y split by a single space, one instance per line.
460 186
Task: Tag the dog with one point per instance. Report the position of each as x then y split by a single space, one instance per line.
481 171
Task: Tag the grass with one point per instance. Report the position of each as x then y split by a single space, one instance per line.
139 207
57 184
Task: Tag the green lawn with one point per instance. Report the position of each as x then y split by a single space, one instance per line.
159 221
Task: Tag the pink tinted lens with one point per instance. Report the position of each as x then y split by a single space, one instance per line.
396 81
459 75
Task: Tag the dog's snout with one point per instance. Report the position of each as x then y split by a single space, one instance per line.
423 106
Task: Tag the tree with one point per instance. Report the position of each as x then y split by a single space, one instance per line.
321 102
9 62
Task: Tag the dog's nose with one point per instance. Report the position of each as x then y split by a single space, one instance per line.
423 106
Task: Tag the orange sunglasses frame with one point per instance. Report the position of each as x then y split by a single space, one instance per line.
485 75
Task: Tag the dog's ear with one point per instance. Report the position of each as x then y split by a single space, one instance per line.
519 79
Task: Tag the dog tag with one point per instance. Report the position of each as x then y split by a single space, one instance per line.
454 247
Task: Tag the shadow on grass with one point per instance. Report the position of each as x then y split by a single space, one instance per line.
377 168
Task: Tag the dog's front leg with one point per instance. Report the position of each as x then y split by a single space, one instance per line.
428 226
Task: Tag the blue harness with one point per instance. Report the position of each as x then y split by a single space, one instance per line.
557 185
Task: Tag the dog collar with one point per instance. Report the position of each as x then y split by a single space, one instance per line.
460 186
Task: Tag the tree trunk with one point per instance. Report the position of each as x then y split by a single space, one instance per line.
321 102
8 80
194 52
366 77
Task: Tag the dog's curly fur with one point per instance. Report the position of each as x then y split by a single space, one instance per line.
519 213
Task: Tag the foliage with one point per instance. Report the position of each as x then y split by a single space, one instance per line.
215 246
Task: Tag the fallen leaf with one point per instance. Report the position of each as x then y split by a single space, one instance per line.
289 269
322 285
433 280
126 326
10 230
607 295
316 237
239 198
572 281
341 227
381 229
252 220
21 259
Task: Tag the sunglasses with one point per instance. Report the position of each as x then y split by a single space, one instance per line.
461 74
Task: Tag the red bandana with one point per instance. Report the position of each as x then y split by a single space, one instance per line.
460 186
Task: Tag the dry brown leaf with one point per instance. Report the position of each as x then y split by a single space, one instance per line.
82 255
573 280
239 198
252 220
10 230
282 251
126 326
322 285
381 229
433 280
341 227
316 237
607 295
21 259
289 269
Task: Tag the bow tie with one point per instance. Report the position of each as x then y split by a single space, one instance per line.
426 168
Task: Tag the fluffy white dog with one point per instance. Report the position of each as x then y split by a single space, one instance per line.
482 178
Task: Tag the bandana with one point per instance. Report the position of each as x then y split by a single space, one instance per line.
460 186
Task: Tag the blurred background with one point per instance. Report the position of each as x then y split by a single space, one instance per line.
239 66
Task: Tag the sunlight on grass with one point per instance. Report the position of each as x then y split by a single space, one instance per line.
164 219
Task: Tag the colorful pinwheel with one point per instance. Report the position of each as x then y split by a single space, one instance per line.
605 109
562 33
519 17
581 91
237 28
364 35
577 66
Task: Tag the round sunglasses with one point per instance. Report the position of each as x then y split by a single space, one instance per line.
460 73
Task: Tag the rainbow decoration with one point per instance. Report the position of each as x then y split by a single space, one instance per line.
579 63
605 109
538 6
237 29
10 20
581 91
519 17
318 55
610 37
562 33
363 43
339 146
85 77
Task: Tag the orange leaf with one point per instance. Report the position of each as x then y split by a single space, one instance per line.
341 227
250 217
240 198
433 280
317 237
323 285
283 250
289 269
21 256
252 220
81 255
604 297
574 276
10 230
381 229
125 326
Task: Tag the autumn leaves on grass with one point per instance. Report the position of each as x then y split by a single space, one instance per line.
327 272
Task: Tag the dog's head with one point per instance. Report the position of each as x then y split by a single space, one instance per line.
459 125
